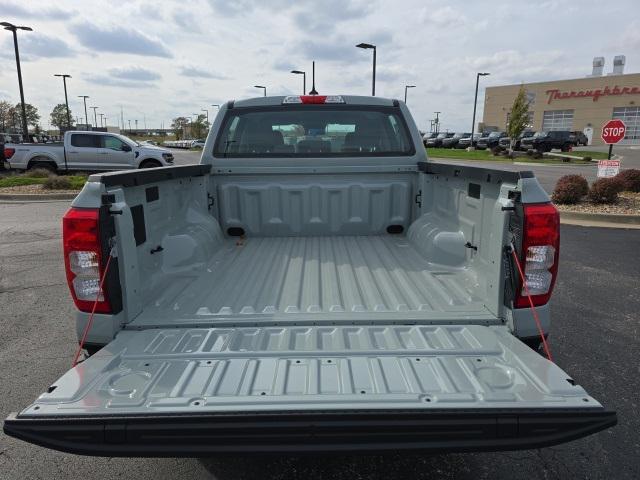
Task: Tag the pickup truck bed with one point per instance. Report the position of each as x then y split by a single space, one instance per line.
327 278
336 292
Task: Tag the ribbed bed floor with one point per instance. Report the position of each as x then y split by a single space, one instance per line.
324 277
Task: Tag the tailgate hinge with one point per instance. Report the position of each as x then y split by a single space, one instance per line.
418 198
210 201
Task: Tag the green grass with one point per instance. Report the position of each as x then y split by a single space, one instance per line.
586 153
460 154
77 181
553 161
464 155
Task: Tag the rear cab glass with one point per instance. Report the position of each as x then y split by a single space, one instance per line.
85 140
313 131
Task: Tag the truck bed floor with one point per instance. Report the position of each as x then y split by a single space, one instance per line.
319 278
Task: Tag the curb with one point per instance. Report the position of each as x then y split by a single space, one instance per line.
36 197
616 220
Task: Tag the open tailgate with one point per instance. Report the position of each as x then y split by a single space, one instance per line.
201 391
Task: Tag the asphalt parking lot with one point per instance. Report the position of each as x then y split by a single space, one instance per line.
594 337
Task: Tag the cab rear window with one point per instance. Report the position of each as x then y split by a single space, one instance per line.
85 140
313 131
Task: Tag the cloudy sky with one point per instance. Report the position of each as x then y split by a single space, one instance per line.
158 60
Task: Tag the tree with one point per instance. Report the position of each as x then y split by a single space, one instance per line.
6 122
518 117
178 126
33 117
199 126
59 116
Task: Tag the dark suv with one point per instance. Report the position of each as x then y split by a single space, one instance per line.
428 136
579 138
437 141
505 142
490 141
547 141
452 142
465 141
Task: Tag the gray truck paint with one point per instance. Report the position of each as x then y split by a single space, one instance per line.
316 306
64 156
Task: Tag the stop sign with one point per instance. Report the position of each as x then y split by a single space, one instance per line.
613 131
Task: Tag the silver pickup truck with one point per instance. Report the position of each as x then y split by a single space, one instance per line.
314 284
88 151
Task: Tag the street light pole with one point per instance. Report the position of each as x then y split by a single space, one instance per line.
207 111
405 91
437 121
215 105
86 117
101 116
263 88
475 103
14 29
66 99
95 116
304 79
373 79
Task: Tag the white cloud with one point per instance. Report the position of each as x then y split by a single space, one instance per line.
169 59
198 72
119 40
445 16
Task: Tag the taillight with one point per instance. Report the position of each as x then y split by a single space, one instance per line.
83 259
539 253
8 152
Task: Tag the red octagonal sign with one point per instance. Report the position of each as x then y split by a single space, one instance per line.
613 131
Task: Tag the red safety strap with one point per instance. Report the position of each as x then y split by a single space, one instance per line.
87 327
545 346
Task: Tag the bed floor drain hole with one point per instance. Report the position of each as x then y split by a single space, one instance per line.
395 229
235 231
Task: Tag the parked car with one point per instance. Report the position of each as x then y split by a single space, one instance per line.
579 138
490 140
437 141
465 141
547 141
90 151
427 136
245 312
505 142
199 143
452 141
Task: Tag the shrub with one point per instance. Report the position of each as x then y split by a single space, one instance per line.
605 190
587 159
630 180
57 183
496 151
570 189
37 173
